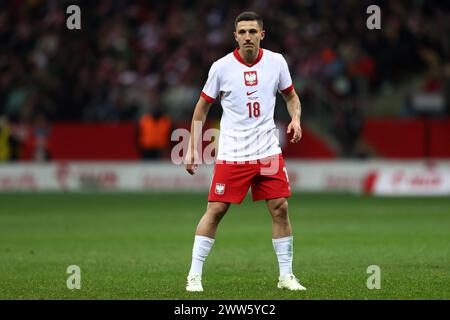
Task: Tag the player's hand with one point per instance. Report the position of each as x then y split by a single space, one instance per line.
190 162
191 168
295 126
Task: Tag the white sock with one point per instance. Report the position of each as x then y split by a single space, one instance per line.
202 246
284 250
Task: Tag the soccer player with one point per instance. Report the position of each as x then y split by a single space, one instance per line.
249 155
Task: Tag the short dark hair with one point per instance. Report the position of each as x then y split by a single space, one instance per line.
249 16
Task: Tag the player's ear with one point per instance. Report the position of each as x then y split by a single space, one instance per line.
235 36
263 34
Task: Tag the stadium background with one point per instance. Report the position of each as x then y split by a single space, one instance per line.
83 183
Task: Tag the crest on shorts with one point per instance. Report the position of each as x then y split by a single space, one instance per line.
220 188
251 78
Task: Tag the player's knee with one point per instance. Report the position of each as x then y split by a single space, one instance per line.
217 210
280 209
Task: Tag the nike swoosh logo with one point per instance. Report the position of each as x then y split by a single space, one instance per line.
250 93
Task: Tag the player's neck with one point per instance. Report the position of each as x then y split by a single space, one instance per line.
249 56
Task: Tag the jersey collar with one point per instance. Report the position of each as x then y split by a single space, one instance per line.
239 58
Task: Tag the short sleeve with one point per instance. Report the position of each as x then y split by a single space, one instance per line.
211 88
285 84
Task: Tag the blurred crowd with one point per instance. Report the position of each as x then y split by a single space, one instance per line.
132 58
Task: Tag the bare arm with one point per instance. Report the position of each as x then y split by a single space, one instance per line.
295 111
198 120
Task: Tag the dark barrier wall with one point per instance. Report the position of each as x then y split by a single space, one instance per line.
97 141
72 141
408 138
387 138
392 138
439 131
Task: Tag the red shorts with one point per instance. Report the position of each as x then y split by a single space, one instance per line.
267 177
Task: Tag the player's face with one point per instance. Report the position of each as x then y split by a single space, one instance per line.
248 35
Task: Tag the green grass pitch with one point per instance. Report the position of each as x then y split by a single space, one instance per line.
138 246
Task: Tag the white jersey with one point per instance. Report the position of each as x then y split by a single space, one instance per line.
247 94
